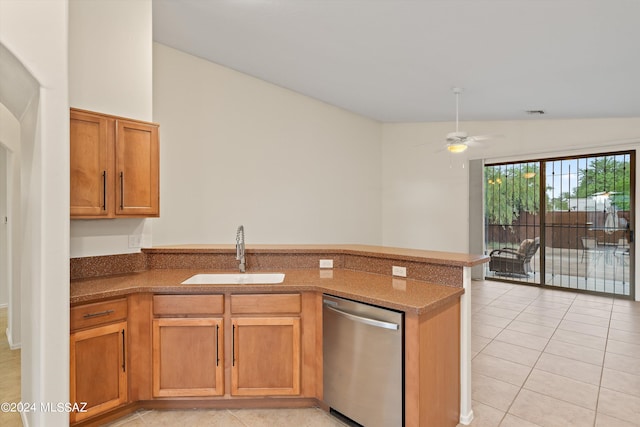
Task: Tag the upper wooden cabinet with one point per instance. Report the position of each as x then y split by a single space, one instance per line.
114 166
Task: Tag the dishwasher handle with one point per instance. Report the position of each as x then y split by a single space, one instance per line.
365 320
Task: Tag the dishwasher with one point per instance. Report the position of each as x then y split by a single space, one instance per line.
363 362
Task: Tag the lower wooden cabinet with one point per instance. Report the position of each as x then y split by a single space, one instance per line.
98 369
265 356
188 357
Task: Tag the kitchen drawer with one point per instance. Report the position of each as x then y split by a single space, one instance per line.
98 313
187 305
265 304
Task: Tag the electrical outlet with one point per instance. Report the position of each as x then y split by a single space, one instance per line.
399 271
326 263
135 240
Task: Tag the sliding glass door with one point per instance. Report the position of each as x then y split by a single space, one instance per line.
563 222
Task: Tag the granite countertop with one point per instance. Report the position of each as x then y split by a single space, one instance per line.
410 296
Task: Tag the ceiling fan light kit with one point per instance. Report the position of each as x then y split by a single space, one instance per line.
457 147
458 141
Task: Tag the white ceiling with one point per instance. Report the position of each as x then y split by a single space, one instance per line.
397 60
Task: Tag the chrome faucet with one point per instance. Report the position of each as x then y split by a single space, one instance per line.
240 248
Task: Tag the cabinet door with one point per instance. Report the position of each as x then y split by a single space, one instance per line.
98 369
91 165
137 169
187 357
265 356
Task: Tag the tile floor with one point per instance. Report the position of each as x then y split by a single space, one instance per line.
305 417
541 357
553 358
9 375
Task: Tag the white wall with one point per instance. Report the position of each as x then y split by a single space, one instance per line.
36 33
110 71
9 208
237 150
4 229
425 189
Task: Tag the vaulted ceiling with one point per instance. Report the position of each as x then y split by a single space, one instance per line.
398 60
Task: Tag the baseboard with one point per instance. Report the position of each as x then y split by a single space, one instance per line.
466 418
4 305
12 345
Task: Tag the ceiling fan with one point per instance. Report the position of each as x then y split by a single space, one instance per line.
459 141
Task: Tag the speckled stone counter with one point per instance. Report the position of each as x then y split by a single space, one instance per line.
360 272
397 293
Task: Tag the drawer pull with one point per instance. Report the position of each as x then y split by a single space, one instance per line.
98 314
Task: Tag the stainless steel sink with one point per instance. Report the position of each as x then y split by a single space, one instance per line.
235 279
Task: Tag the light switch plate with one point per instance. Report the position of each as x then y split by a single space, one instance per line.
399 271
326 263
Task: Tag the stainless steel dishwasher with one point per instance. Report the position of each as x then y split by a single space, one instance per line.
363 362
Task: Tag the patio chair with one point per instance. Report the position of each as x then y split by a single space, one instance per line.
590 246
622 251
514 262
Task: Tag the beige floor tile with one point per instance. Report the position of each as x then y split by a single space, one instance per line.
622 363
10 419
485 331
588 319
513 421
629 337
501 312
484 416
490 391
517 299
478 343
195 417
623 348
501 369
563 388
539 319
570 368
546 312
548 411
527 291
593 304
626 316
621 381
491 320
591 341
307 417
531 328
583 328
509 305
480 299
576 352
559 305
626 326
522 339
619 405
604 299
557 295
626 305
514 353
603 420
603 314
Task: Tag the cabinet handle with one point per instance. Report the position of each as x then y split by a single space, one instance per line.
217 342
124 354
121 190
97 314
104 190
233 346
